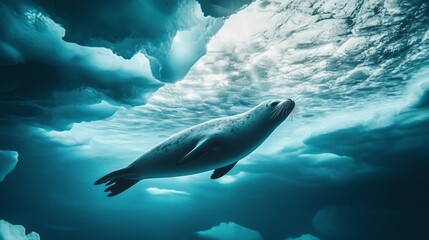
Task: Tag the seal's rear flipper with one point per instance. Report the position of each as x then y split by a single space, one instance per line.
119 185
116 174
117 181
219 172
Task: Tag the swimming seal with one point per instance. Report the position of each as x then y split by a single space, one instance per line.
216 144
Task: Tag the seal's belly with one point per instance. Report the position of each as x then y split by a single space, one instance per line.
165 164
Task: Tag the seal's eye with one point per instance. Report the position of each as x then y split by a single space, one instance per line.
275 103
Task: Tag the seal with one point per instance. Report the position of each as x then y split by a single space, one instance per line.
216 144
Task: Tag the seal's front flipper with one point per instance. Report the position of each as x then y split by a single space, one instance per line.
201 148
219 172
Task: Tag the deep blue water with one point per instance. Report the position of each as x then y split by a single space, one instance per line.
86 87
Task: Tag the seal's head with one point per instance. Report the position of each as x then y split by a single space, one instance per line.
274 112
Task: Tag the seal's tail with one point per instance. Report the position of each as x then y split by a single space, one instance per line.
117 181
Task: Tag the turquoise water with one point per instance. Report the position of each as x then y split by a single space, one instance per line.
88 87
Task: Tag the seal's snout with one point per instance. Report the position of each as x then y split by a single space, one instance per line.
282 109
291 102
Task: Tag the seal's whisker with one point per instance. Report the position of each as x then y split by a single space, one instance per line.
294 114
284 110
275 113
296 109
279 112
272 114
